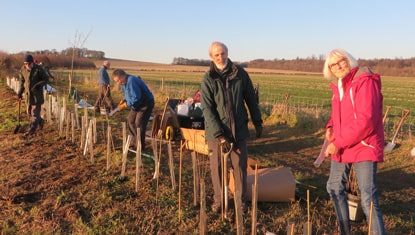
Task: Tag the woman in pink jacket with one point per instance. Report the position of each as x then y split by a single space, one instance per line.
355 133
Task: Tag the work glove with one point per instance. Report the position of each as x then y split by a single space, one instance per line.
258 130
225 143
122 105
113 112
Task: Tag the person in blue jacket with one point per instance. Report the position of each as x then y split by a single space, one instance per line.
104 96
140 100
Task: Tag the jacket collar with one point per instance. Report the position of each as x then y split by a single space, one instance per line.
229 72
357 75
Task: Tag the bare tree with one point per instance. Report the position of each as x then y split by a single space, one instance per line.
78 42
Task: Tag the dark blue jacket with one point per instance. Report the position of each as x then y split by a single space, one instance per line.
103 77
136 92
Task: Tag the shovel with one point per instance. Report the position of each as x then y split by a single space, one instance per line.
225 182
386 114
389 147
16 129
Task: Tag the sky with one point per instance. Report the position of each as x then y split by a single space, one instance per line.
158 31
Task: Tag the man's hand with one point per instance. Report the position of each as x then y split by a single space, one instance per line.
258 130
331 150
122 105
225 144
329 134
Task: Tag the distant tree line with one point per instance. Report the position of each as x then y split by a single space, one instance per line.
185 61
11 63
79 52
196 62
389 67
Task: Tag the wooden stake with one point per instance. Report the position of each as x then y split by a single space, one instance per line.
49 109
254 201
155 153
87 138
67 119
291 228
238 213
124 133
64 106
124 156
180 178
308 227
108 146
370 218
72 128
171 166
202 215
76 116
94 129
61 119
91 141
195 181
138 162
82 132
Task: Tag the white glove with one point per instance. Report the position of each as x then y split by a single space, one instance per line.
113 112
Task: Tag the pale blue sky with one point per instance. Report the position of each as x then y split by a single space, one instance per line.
157 31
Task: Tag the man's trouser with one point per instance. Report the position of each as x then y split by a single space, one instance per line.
239 158
139 119
104 98
35 119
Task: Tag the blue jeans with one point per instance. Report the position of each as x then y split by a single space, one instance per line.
366 177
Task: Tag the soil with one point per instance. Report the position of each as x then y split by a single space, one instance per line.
48 186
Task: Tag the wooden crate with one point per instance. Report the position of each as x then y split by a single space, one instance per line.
195 140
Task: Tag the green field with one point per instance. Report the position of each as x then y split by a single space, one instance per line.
304 90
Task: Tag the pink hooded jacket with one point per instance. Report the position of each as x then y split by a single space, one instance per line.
357 119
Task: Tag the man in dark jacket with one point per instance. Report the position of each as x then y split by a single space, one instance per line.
32 80
104 88
226 89
138 97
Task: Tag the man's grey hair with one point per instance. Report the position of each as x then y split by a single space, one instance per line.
215 44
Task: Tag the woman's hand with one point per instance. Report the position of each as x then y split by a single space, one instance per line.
331 150
329 134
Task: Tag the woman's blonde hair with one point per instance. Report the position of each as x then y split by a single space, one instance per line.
337 53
